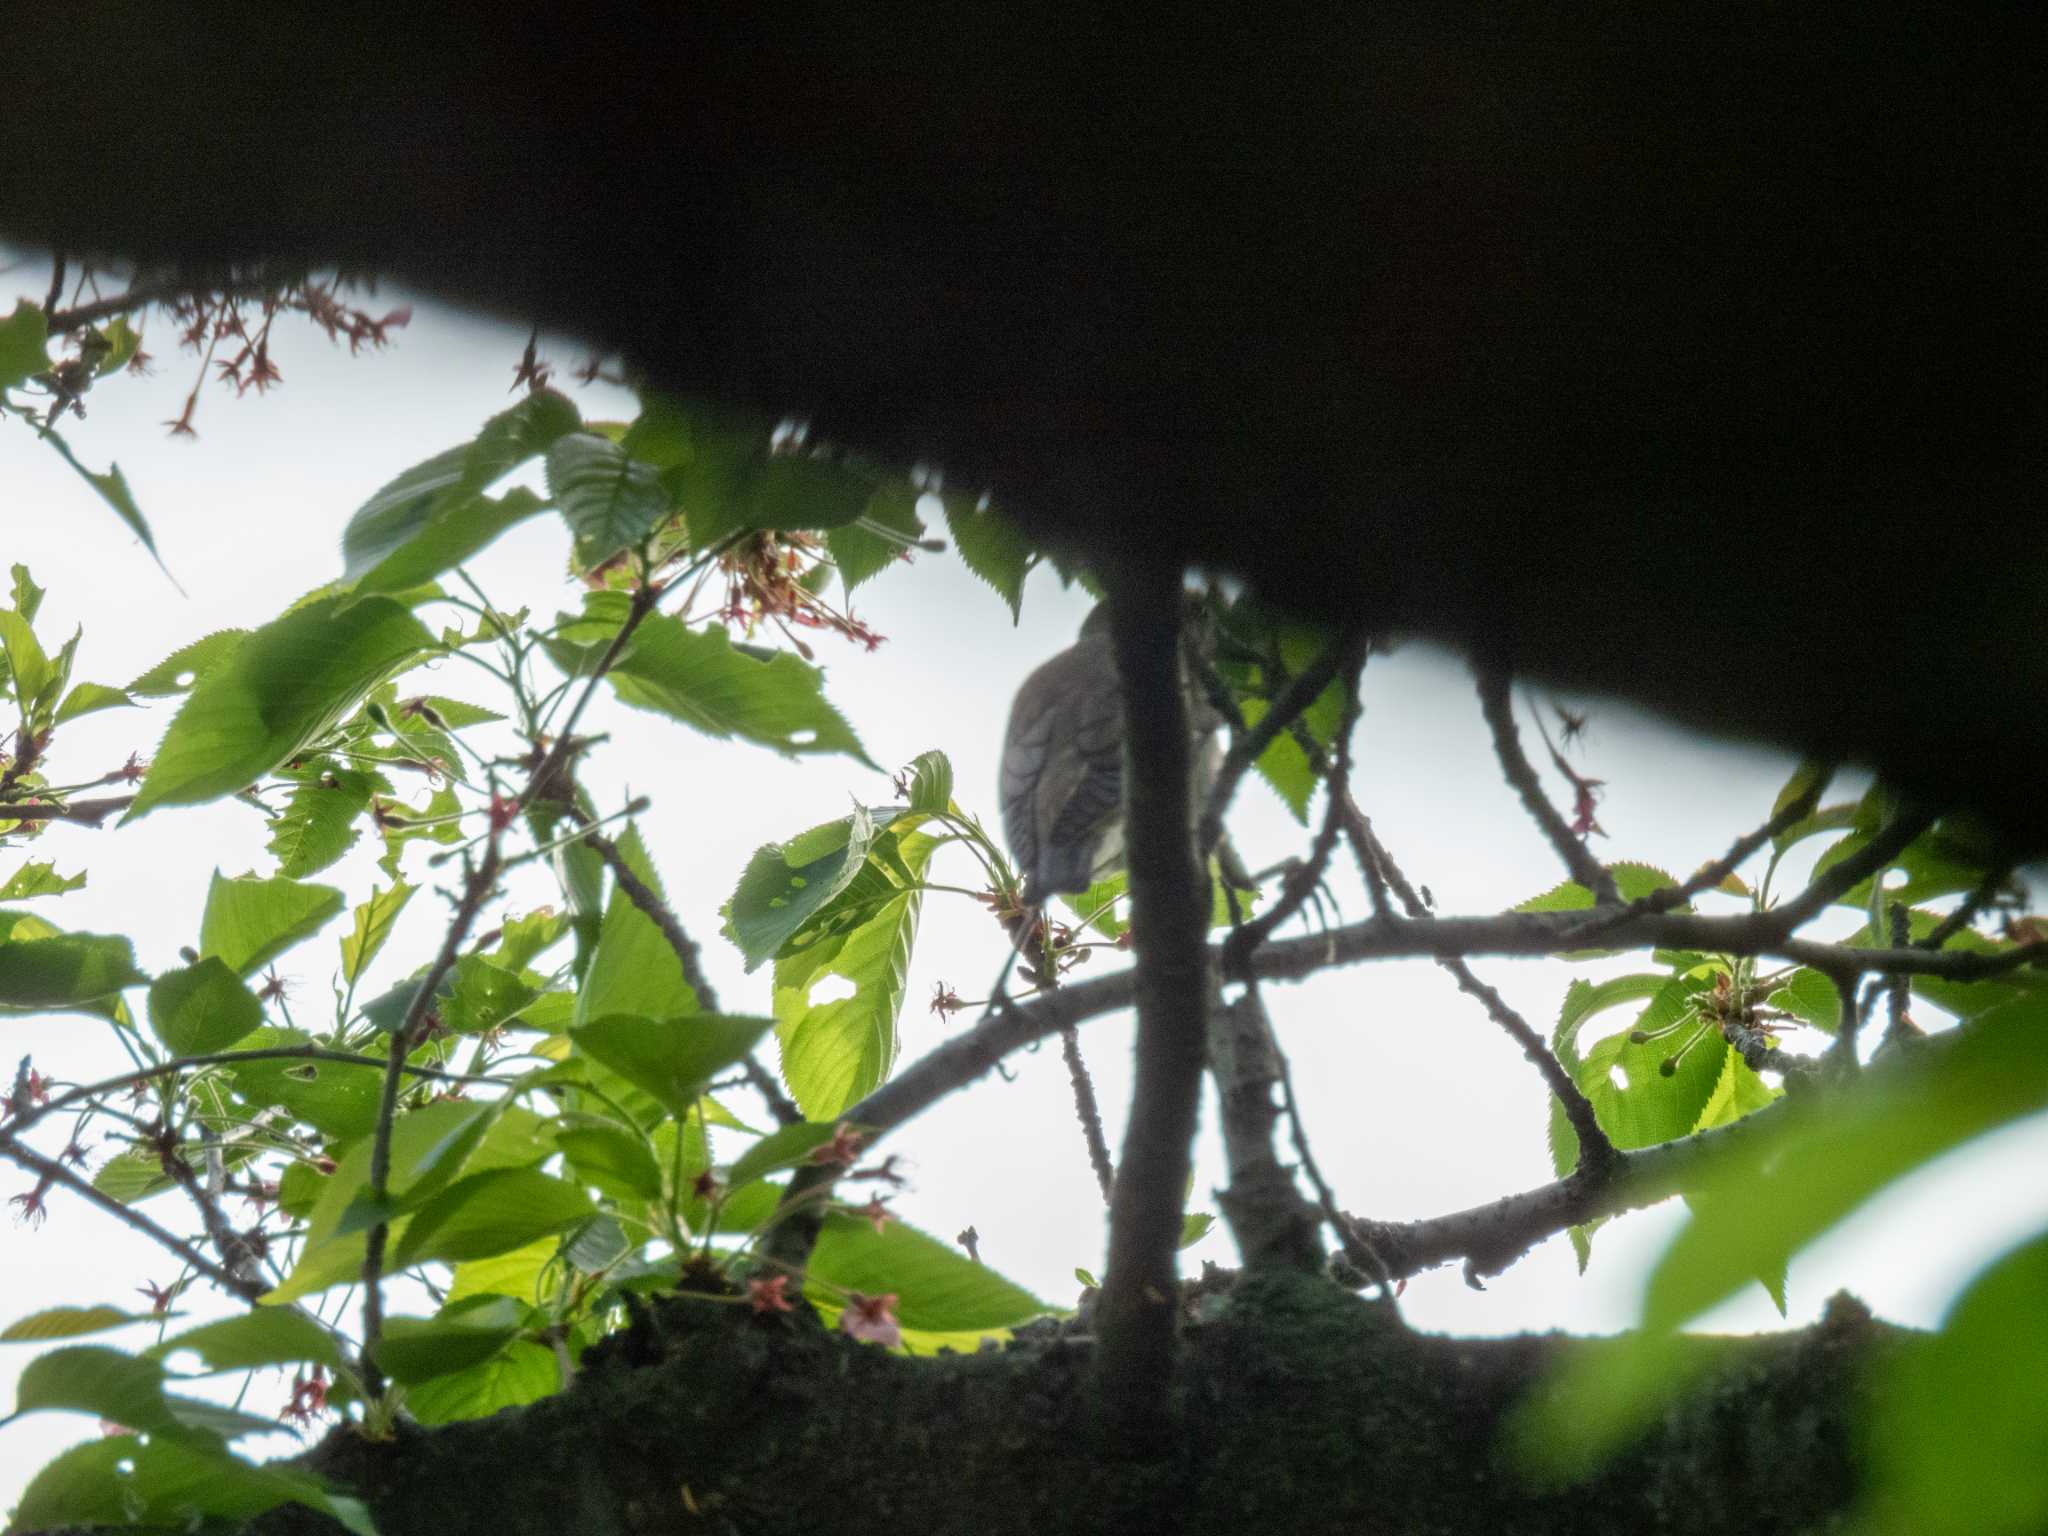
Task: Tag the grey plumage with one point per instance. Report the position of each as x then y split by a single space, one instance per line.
1062 768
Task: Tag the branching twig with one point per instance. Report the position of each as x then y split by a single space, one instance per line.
1301 691
1886 844
181 1064
1498 707
1302 883
1968 911
57 1173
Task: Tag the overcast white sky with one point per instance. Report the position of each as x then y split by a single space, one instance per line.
1415 1103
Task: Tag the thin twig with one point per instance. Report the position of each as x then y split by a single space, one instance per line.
1299 885
56 289
1496 703
218 1059
1885 845
1967 913
57 1173
1301 691
1088 1112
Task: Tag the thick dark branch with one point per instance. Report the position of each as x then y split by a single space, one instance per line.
87 813
649 901
1498 706
1274 1227
56 1173
1301 691
1170 915
1493 1236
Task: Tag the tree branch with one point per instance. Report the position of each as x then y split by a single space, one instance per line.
1497 705
1136 1315
1274 1227
89 813
1301 691
56 1173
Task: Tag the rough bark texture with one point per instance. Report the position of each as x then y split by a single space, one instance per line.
1302 1409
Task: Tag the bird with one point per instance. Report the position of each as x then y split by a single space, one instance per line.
1062 778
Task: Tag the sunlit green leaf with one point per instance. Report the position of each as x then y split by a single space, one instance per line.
38 878
672 1059
634 969
249 922
202 1008
265 1336
519 1373
490 1213
66 1323
610 500
417 1349
786 884
89 699
179 671
280 690
373 922
937 1287
860 551
24 344
62 970
318 824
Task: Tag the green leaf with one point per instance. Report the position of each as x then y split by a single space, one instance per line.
38 879
1959 1421
128 1389
373 922
1637 1104
785 885
610 500
168 1484
782 1148
90 698
62 970
616 1161
66 1323
112 488
434 515
283 688
202 1008
634 968
1778 1194
1633 881
993 546
24 344
861 553
27 664
490 1213
180 670
937 1287
249 922
1194 1226
522 939
467 1333
696 676
122 340
266 1336
28 597
672 1059
931 783
1096 907
484 996
836 1052
520 1373
318 824
1805 777
336 1098
1811 996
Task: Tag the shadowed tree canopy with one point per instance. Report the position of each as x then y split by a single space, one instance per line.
1681 359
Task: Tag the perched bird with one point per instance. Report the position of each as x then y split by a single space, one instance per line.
1062 788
